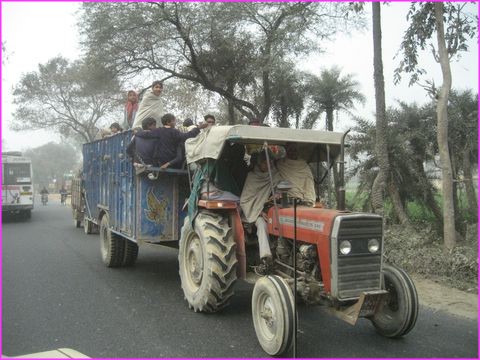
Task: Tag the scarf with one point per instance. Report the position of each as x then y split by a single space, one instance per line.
130 110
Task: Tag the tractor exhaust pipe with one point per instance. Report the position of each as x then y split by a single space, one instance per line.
341 175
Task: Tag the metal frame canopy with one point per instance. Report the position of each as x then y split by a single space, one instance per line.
209 143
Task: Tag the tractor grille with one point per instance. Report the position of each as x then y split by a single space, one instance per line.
358 271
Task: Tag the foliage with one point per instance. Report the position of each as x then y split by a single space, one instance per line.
288 96
410 133
461 25
417 250
188 100
331 92
48 165
68 98
232 49
463 125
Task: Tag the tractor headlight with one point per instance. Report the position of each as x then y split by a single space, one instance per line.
373 245
345 247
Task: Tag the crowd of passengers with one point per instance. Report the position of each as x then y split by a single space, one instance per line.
254 168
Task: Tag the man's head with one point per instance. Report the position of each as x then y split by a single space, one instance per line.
115 128
291 150
149 123
262 160
188 122
209 119
168 120
157 87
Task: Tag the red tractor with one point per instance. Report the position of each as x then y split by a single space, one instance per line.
332 257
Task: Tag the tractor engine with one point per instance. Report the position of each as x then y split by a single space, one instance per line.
309 286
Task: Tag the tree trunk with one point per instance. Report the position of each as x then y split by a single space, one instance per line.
329 125
469 188
398 207
442 133
283 112
381 150
231 113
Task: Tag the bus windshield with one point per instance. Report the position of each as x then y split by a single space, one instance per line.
18 173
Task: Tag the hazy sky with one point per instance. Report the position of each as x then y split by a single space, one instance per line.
34 32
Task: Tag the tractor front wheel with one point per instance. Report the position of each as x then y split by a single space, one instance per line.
273 314
397 314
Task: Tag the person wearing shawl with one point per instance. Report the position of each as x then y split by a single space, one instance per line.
255 194
151 105
131 108
299 174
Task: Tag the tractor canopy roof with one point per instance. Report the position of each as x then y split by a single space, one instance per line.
209 143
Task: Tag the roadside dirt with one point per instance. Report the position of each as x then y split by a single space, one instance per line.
442 298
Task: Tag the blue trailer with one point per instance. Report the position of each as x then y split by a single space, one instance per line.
129 207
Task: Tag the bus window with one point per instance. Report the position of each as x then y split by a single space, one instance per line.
17 174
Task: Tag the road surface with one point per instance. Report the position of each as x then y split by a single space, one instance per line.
57 294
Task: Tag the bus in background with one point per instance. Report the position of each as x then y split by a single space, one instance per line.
17 185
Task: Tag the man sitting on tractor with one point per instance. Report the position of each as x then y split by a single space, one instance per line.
299 174
255 194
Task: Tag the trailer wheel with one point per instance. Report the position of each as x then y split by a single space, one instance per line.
87 226
273 315
207 262
397 313
131 253
112 246
77 223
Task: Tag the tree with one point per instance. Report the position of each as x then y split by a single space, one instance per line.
463 145
412 152
288 94
453 27
380 184
328 93
47 165
228 48
331 92
68 98
188 100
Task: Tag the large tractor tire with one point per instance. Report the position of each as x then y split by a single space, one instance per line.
273 314
112 246
131 253
397 313
207 262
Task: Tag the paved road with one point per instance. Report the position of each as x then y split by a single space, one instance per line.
57 293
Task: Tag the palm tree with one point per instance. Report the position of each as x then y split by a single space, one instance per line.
329 93
332 92
410 132
381 181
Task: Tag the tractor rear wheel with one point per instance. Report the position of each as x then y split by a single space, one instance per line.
397 313
273 314
207 262
112 246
